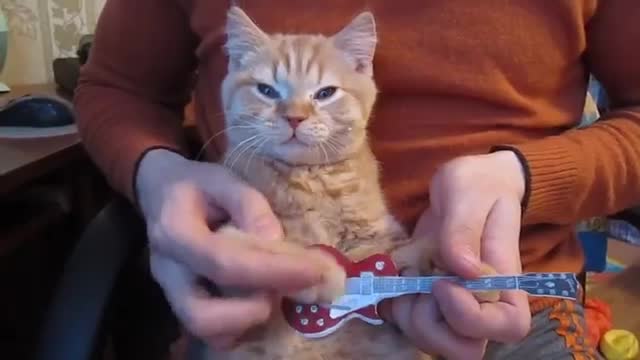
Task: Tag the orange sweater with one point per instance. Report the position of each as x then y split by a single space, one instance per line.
456 77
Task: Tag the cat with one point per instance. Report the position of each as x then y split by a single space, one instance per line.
296 109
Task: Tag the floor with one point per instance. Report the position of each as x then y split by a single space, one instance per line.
622 291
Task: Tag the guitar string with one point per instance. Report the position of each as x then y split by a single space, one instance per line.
417 284
395 284
422 284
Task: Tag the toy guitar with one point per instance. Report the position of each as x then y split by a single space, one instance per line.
375 278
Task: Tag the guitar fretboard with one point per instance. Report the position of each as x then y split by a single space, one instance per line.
537 284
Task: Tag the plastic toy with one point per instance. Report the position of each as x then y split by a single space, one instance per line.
376 278
618 344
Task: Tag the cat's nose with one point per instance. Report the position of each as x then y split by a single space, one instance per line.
295 121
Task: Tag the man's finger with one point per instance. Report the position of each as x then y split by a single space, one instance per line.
401 311
203 315
398 310
430 333
239 261
501 250
497 321
228 258
222 343
461 227
236 262
284 270
509 319
209 317
248 208
501 237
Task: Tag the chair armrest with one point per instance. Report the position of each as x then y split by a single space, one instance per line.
74 322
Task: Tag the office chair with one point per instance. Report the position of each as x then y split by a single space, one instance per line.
106 297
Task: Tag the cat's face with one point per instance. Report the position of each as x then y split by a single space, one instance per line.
301 99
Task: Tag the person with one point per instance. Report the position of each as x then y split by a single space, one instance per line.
475 128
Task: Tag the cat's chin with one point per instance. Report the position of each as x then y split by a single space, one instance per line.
308 156
297 153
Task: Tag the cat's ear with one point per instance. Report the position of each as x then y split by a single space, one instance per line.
244 37
358 42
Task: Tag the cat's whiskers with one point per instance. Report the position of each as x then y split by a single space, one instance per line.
241 115
333 145
240 118
231 153
247 145
250 112
254 152
240 148
326 155
212 137
240 156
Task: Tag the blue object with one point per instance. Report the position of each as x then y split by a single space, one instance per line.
594 245
624 231
36 112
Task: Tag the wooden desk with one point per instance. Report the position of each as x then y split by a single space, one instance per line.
45 184
23 160
57 163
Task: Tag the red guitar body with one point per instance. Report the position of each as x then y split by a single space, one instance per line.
314 320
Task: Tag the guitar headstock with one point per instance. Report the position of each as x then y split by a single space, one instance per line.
561 285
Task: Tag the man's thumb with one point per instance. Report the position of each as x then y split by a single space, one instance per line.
252 213
248 209
460 257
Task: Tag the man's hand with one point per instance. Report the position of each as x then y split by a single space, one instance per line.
473 221
182 201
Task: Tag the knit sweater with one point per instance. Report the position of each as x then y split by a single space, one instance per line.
456 77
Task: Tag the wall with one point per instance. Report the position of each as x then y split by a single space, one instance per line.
42 30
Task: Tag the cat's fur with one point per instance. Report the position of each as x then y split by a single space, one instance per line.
323 182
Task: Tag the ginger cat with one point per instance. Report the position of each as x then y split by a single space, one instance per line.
296 109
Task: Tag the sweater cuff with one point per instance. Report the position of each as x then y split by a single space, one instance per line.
552 172
133 189
525 169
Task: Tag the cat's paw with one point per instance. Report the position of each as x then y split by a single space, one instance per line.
332 285
418 256
414 255
333 275
481 296
487 296
232 233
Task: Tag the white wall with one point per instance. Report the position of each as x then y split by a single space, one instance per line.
40 31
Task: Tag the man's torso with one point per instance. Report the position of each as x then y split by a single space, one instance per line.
455 77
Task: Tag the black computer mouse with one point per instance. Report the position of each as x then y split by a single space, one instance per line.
34 111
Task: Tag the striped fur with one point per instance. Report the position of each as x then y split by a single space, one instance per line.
320 177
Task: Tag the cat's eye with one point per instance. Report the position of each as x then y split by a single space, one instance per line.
268 91
325 93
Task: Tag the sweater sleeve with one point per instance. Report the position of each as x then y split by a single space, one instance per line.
133 90
596 170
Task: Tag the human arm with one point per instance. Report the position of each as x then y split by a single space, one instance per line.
594 171
559 179
135 85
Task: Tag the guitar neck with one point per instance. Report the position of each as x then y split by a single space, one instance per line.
425 284
562 285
